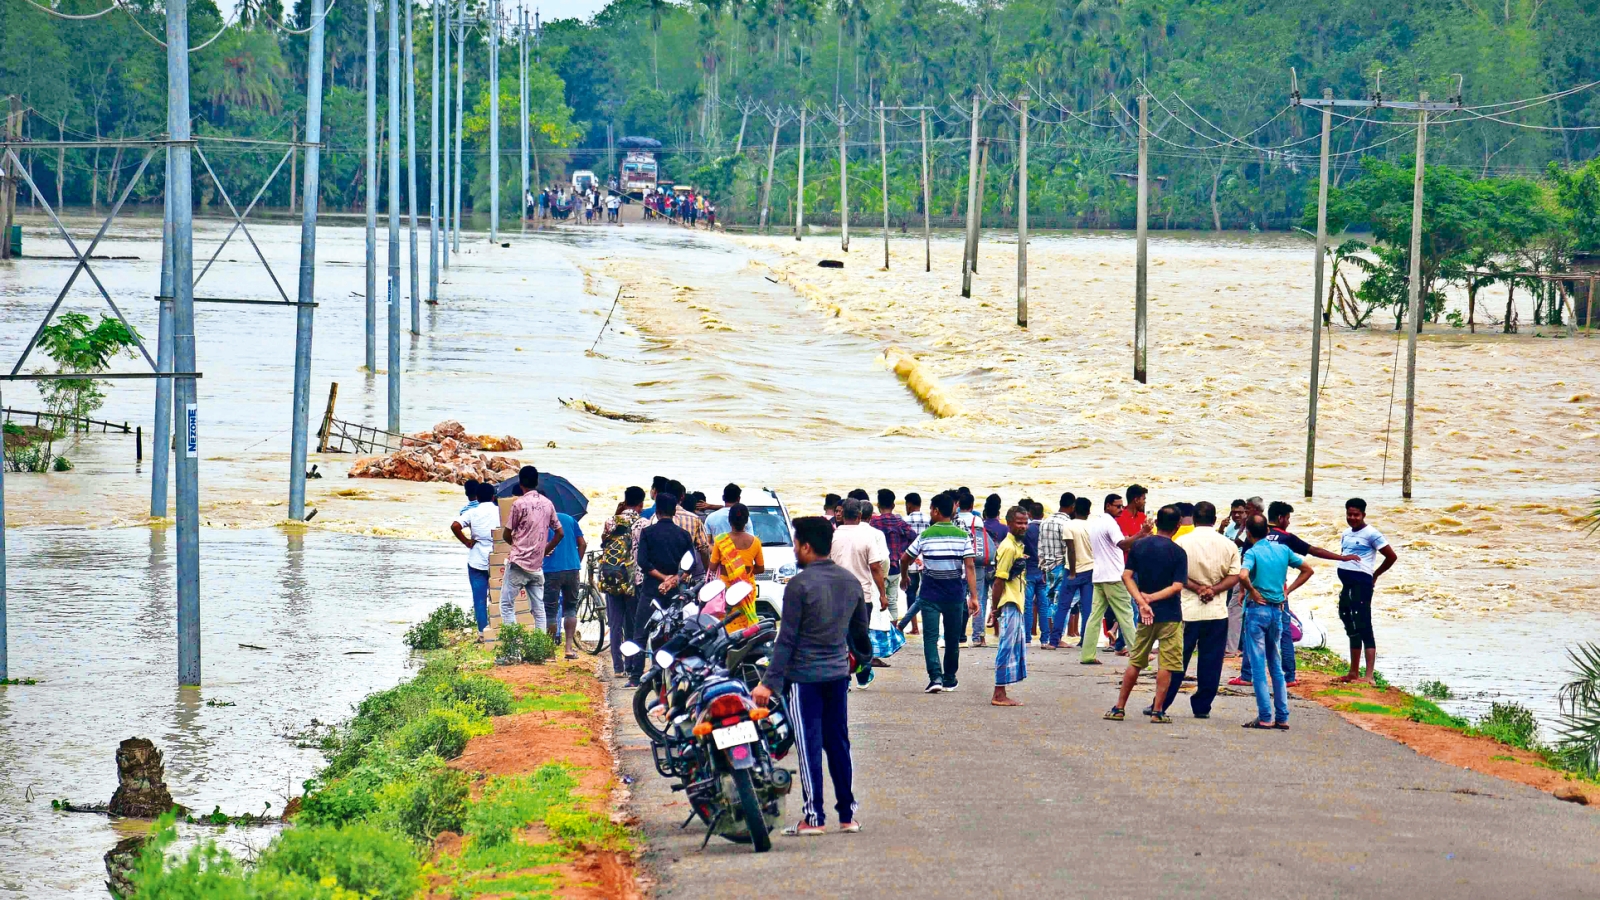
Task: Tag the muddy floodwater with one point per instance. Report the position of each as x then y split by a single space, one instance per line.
748 364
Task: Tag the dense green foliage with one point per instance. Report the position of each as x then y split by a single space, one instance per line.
520 644
435 632
679 71
1579 729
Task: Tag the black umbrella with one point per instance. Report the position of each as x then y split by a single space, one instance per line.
566 498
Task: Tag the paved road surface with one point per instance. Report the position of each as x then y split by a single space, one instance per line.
961 799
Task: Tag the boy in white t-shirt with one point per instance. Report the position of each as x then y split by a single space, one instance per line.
1357 579
474 528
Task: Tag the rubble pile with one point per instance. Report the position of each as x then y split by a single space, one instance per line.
445 453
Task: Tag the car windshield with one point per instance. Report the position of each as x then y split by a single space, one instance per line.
769 526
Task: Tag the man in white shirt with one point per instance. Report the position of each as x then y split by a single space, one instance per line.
1213 571
1108 545
862 551
1357 580
475 529
717 523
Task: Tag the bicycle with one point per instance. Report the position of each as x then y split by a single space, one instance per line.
591 636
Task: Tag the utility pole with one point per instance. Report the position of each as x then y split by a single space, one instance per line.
372 186
1022 214
1414 287
983 191
883 162
844 188
1316 295
772 157
1141 277
1414 294
393 378
180 198
308 271
968 263
411 169
443 6
461 76
522 111
161 456
494 121
433 164
744 119
927 201
294 136
800 184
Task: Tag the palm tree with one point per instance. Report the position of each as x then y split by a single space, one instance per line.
841 12
658 8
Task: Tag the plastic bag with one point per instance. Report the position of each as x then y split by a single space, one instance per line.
887 639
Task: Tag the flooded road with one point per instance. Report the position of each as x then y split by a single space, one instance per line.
746 373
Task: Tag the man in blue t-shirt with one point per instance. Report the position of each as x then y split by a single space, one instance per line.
1264 571
561 583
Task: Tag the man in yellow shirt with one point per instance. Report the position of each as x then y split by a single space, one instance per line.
1006 599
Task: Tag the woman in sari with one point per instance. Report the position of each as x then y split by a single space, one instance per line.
735 557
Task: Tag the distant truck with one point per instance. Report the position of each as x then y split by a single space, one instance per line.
640 172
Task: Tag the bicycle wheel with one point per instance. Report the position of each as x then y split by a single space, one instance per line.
591 636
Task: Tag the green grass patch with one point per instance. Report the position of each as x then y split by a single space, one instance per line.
536 701
1320 659
1434 690
1503 757
1339 692
518 887
1370 708
442 626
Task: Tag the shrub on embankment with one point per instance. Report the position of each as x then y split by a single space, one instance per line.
367 821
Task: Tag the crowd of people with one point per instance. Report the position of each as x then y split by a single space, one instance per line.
686 208
587 205
1160 589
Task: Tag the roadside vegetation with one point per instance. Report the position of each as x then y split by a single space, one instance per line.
391 817
1574 752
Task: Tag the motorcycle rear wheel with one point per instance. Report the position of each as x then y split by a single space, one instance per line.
749 807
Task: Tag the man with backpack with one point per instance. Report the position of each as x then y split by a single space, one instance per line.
617 572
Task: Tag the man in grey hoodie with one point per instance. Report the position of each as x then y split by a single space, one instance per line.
824 616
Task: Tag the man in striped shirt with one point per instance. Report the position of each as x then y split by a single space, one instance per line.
919 522
948 593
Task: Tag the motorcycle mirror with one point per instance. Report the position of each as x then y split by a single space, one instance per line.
687 562
629 648
663 658
690 610
710 590
737 593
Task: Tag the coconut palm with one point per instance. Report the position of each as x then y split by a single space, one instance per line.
658 9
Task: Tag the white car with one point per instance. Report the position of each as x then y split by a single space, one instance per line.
769 522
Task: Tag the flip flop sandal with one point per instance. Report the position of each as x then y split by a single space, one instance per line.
804 830
1281 726
1256 724
1160 718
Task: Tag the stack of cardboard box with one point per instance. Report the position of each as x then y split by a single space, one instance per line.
502 547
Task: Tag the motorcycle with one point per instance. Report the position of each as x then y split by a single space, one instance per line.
705 729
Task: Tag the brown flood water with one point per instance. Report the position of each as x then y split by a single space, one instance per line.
756 367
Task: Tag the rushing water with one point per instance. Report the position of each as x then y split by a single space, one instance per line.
741 379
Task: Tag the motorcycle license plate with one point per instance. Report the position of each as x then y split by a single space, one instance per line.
733 736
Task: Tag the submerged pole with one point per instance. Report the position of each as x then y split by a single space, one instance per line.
461 76
392 380
772 158
181 197
1316 294
1022 213
883 164
161 455
800 184
1141 274
522 113
494 121
433 165
927 201
372 186
308 270
1414 292
844 187
411 170
967 255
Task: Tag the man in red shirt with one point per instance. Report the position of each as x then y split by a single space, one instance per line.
1132 520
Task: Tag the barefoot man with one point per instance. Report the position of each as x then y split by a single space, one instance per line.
1005 615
